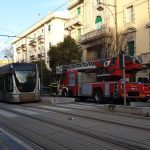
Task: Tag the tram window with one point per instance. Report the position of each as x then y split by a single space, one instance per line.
9 83
1 84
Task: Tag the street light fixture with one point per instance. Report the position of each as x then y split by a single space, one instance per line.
100 8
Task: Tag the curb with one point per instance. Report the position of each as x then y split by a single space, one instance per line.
57 100
144 111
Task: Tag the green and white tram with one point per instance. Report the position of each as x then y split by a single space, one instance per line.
19 82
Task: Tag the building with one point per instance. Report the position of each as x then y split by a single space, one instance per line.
5 61
34 43
94 23
92 20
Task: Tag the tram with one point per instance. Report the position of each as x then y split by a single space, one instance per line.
19 82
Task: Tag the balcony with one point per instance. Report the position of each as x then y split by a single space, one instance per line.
74 3
23 47
32 43
40 39
74 22
95 35
18 48
32 57
39 56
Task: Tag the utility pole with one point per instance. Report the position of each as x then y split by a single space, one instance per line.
124 78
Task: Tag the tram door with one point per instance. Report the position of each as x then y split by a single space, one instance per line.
1 88
6 87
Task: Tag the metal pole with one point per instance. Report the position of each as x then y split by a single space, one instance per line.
41 76
116 26
124 79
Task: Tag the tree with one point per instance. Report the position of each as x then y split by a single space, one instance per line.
109 47
46 73
66 52
8 51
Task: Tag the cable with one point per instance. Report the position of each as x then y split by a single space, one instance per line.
6 35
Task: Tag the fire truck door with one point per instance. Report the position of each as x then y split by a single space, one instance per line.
107 90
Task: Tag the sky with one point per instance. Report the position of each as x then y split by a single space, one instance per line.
18 15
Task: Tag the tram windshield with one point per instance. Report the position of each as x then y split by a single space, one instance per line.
25 80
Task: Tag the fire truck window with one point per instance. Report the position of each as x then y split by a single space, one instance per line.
72 79
143 80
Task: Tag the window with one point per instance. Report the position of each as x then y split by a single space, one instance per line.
98 1
9 83
50 44
78 10
129 14
72 79
49 27
131 48
79 33
98 22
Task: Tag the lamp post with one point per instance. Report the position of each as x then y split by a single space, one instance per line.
41 70
100 8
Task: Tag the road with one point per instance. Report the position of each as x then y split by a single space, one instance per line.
75 126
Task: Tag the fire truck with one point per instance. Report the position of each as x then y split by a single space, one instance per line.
103 79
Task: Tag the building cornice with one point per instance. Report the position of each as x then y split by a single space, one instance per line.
75 4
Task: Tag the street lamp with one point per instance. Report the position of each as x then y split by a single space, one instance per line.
100 8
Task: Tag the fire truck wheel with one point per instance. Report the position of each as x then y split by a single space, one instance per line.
98 95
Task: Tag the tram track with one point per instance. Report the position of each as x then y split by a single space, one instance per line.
81 115
128 144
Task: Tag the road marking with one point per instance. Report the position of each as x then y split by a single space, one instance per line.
8 114
21 143
56 108
82 106
29 112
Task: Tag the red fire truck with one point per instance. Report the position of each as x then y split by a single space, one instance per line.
102 79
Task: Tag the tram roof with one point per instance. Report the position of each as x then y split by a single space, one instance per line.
17 66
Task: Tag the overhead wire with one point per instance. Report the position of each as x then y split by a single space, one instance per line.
7 35
13 36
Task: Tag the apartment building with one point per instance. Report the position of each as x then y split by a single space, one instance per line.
92 19
34 43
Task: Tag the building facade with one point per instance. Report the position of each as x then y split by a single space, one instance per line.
92 21
34 43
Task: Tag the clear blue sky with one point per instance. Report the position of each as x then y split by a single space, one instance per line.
17 15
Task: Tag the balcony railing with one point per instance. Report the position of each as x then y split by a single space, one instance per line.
95 34
32 43
40 39
74 22
18 48
23 47
32 57
39 55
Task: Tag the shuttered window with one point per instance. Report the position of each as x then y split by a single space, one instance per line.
98 22
131 48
